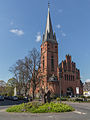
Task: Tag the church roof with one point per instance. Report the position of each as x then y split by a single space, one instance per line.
49 36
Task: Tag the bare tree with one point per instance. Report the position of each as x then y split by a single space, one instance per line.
26 69
35 58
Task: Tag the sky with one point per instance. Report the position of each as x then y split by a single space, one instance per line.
22 24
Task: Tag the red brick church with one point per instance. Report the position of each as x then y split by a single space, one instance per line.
51 74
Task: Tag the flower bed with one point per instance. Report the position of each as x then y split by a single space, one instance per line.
36 107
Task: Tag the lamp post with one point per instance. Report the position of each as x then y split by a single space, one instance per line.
60 77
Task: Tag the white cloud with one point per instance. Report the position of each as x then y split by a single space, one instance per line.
87 80
60 10
17 32
58 26
38 37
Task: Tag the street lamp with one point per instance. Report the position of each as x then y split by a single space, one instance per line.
60 77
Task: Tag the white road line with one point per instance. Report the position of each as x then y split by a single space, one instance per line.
3 110
81 113
50 116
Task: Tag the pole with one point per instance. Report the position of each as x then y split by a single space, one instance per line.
60 78
60 84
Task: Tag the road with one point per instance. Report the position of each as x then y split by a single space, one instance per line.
82 112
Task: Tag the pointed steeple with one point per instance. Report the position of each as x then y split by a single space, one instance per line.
49 24
49 36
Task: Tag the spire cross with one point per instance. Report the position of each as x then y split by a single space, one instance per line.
48 4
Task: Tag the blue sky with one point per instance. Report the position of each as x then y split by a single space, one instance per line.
22 23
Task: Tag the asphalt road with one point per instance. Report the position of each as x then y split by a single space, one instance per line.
82 112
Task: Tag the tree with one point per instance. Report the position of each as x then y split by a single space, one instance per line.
2 87
12 82
35 58
10 85
26 69
9 91
18 71
2 83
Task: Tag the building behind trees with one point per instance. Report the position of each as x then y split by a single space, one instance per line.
50 72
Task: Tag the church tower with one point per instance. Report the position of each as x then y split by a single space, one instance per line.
49 56
50 75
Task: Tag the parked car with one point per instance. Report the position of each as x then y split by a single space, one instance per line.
15 98
10 98
87 94
1 98
25 98
6 97
30 98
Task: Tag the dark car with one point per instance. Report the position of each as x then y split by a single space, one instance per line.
15 98
25 98
10 98
1 98
30 98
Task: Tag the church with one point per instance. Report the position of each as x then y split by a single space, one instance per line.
52 75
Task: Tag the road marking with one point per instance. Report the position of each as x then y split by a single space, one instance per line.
81 113
50 116
3 110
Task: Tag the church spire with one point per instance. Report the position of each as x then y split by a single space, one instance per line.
48 31
48 4
49 24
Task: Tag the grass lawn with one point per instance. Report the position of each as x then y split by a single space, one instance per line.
37 107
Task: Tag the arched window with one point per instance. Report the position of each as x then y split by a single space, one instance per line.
67 77
43 63
52 63
71 77
55 46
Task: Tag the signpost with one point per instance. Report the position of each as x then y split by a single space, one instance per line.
60 77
